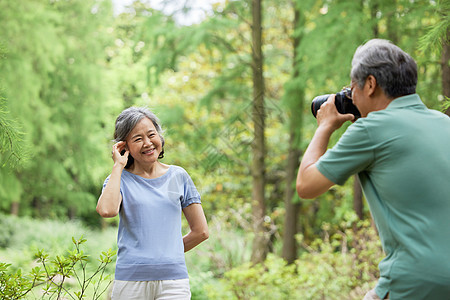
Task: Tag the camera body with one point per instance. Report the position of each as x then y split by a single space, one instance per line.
343 102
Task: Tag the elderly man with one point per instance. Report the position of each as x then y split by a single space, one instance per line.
401 153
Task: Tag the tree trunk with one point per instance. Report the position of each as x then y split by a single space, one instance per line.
37 207
446 68
72 213
259 251
15 205
392 27
292 208
373 13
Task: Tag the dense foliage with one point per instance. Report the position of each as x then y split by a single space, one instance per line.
341 261
69 67
51 264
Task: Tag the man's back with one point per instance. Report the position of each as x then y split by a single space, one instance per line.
402 156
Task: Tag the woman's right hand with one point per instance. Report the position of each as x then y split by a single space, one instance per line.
118 158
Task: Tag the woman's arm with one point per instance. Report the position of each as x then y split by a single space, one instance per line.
108 204
199 228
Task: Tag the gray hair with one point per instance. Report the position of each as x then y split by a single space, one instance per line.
128 119
394 69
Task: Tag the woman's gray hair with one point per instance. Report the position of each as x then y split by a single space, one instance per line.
128 119
394 69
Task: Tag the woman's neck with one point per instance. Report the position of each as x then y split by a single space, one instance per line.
154 170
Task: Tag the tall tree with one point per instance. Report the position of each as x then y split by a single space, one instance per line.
437 39
294 99
259 251
12 155
445 62
56 79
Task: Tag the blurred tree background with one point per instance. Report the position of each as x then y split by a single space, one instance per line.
232 91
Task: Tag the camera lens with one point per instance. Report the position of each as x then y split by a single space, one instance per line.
317 102
343 102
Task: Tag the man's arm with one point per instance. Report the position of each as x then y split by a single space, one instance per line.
310 182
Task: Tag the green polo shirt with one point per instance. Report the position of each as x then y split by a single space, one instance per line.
402 157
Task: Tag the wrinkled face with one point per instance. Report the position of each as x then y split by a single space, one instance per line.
144 142
359 99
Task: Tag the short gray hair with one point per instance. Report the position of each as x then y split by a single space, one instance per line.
394 69
128 119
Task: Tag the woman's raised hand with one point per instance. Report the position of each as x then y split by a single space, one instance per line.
119 158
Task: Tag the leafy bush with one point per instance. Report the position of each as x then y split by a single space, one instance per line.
7 226
228 246
27 235
54 273
341 265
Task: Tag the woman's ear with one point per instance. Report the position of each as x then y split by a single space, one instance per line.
124 148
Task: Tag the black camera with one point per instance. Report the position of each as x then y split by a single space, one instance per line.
343 102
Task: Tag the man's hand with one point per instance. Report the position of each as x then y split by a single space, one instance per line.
328 117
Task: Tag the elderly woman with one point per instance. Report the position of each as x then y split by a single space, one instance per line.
149 196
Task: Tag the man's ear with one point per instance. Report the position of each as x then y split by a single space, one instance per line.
371 85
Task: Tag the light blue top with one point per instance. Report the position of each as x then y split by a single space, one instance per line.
150 240
402 157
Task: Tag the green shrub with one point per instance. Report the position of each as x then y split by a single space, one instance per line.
27 235
342 265
54 273
228 246
198 283
7 230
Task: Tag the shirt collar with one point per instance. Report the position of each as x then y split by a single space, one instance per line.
408 100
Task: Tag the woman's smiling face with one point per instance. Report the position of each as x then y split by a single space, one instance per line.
144 142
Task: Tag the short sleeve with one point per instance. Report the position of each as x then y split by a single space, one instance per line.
106 181
191 195
353 153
